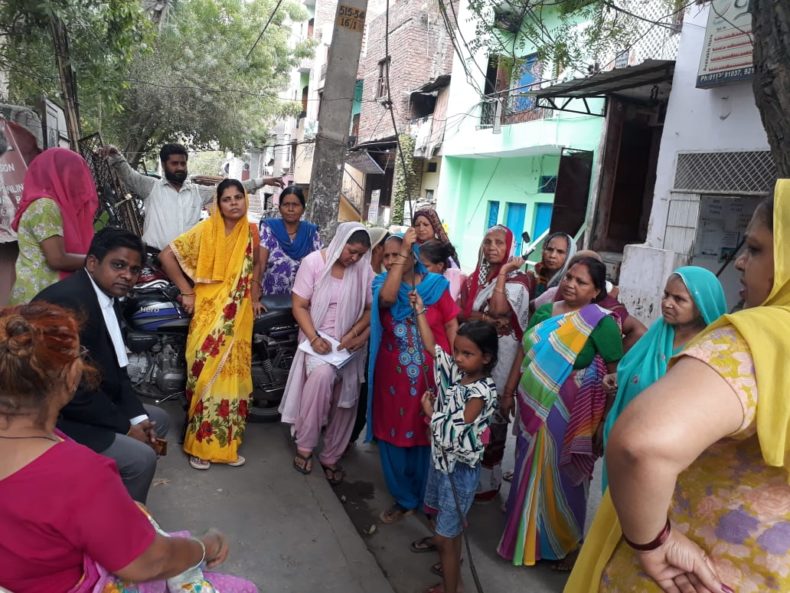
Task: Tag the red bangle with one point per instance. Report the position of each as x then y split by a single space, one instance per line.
652 545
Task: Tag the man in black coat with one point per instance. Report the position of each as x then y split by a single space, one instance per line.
111 420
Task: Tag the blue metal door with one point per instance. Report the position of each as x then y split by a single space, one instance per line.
542 219
516 215
493 214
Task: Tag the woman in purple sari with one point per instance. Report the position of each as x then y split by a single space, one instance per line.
568 349
285 242
67 522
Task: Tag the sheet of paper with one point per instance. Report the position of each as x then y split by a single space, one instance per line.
337 358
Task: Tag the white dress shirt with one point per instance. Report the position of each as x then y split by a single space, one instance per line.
168 212
106 303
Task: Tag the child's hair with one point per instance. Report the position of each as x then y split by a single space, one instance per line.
436 252
484 335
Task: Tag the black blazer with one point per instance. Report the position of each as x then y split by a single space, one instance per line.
93 417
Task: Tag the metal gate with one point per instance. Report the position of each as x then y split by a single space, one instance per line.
117 207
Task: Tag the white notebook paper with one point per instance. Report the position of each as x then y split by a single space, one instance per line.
337 358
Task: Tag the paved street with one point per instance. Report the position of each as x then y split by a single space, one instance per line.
292 534
289 533
366 496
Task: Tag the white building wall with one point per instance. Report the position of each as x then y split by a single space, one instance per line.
721 119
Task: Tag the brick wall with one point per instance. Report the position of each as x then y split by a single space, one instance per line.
420 50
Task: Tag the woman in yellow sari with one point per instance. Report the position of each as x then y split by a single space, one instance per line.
215 266
699 493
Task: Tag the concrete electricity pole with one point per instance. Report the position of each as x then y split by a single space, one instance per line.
331 141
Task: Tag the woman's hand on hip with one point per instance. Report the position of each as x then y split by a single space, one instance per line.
681 566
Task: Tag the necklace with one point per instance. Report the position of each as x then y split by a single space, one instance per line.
32 436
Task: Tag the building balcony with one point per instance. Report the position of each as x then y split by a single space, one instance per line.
512 106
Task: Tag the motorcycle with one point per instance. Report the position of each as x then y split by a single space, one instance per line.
156 336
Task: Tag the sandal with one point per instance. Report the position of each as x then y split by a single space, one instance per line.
437 568
238 463
507 476
423 545
303 463
198 463
334 475
394 514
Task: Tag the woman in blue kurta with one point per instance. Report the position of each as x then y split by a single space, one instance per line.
400 370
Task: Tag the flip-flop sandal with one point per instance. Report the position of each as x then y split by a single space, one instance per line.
198 463
334 475
307 463
437 568
238 463
394 514
423 545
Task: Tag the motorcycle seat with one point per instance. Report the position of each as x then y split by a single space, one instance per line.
277 302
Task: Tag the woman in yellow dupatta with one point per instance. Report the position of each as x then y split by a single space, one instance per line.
220 256
701 458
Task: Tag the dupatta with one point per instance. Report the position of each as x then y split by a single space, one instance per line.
647 361
349 310
430 289
479 286
766 329
301 245
63 176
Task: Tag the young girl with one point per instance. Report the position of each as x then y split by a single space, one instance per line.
435 256
459 416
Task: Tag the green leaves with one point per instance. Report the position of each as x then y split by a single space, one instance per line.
185 78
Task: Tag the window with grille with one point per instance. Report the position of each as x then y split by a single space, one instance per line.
751 172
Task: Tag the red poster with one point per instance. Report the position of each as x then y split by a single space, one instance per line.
13 166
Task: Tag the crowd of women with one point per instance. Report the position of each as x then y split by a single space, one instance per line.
691 413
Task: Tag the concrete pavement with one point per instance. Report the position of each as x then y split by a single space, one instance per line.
365 496
289 533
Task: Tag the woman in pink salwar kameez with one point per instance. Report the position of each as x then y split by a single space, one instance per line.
331 299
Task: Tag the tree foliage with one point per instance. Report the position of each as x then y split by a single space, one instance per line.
188 77
104 36
199 86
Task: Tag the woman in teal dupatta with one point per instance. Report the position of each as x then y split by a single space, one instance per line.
693 299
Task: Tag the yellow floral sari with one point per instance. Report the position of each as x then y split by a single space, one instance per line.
218 350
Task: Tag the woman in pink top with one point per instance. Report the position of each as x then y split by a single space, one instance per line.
331 299
67 522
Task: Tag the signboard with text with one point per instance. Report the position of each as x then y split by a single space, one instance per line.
13 166
727 49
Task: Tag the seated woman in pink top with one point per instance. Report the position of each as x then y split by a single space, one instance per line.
66 519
